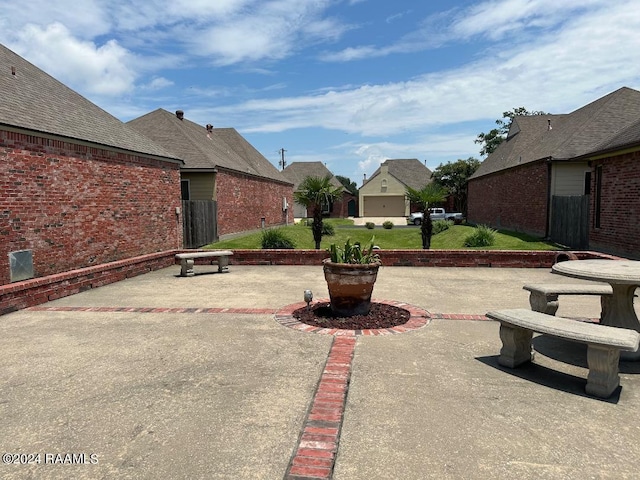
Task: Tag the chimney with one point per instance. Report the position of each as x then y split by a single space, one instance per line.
179 114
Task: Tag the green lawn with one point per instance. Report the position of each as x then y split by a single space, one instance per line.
395 238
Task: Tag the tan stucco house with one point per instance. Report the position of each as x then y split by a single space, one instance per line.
383 194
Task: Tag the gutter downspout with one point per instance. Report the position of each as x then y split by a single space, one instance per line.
548 214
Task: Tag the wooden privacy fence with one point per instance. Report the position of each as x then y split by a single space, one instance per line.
199 222
570 221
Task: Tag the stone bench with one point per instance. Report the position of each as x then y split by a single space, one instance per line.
544 297
603 344
187 260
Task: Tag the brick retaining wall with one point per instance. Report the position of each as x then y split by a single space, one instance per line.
19 295
416 258
28 293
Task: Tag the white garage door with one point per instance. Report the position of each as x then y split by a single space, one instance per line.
391 206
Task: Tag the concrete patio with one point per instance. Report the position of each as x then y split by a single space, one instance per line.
166 377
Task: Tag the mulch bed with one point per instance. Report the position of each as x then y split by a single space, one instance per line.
381 315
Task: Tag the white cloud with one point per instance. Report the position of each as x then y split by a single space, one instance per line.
578 62
103 70
158 83
372 156
84 19
497 18
268 30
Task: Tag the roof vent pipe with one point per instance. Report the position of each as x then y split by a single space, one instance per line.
548 124
180 114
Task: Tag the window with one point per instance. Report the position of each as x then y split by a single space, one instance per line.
598 194
587 183
383 185
185 189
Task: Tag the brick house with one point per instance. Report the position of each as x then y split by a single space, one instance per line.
345 206
78 187
221 166
383 194
541 179
615 194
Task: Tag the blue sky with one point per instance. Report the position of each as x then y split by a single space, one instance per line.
346 82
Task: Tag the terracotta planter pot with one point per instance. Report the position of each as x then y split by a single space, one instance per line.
350 287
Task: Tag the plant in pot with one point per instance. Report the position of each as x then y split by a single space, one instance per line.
351 273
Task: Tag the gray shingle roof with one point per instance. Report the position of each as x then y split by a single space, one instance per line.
296 172
33 100
625 139
572 135
201 150
409 171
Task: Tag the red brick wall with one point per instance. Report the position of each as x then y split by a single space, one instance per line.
514 199
77 206
243 200
341 206
27 293
414 258
619 230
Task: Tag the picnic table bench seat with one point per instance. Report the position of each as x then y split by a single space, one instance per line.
187 260
544 297
603 344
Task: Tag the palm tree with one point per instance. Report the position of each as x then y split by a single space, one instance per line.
314 192
426 198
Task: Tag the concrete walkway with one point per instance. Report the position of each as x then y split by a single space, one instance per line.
166 377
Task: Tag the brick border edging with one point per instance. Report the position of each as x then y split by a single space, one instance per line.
315 453
418 319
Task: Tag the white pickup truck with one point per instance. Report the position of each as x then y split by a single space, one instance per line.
435 214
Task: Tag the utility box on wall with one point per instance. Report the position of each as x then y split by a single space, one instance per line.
20 265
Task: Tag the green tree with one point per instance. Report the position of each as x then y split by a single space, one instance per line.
453 176
430 195
313 193
496 136
348 184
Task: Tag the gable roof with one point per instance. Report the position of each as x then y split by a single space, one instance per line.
202 150
628 138
571 135
33 100
296 172
409 171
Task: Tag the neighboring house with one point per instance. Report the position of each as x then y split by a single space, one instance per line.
615 194
345 206
383 194
79 188
539 179
221 166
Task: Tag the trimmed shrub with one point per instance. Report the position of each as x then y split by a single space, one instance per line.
441 226
276 238
328 229
370 225
483 236
388 225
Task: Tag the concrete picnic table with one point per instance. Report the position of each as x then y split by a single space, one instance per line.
624 278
